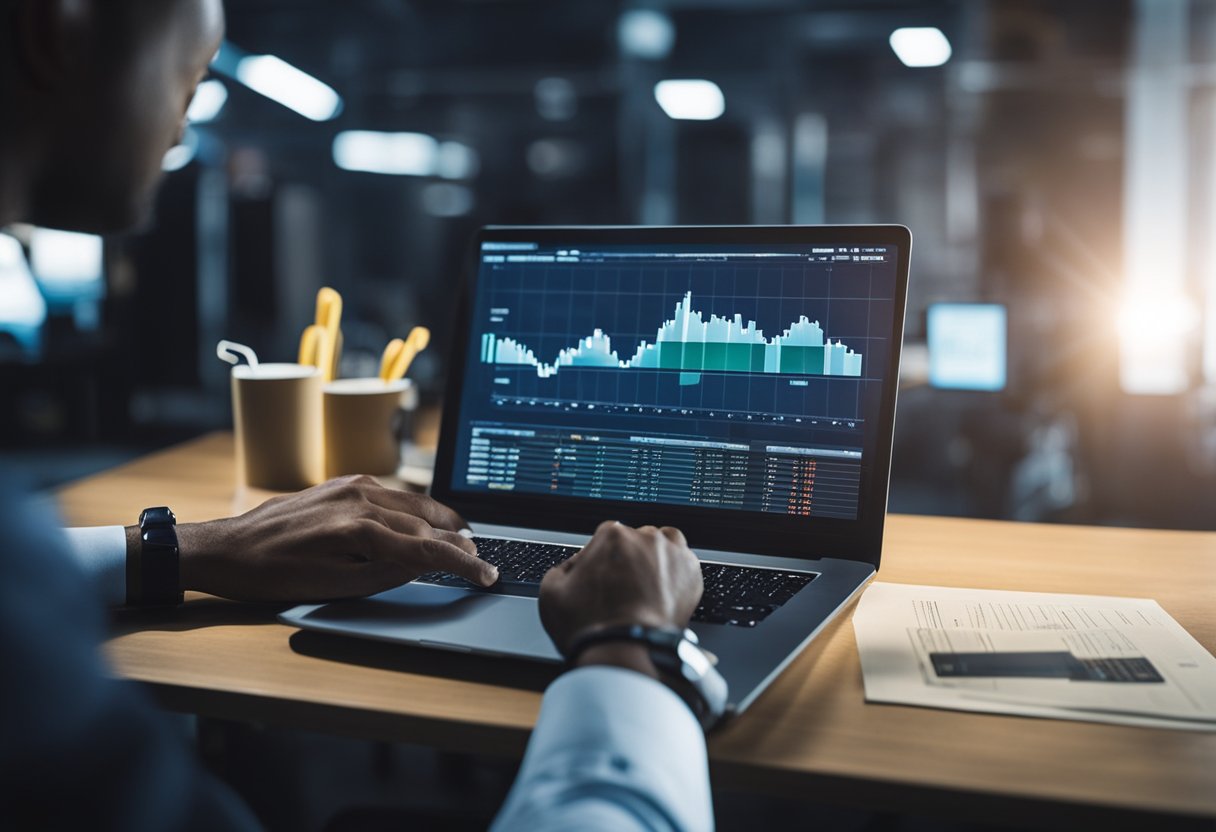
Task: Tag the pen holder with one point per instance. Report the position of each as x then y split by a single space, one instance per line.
277 414
364 423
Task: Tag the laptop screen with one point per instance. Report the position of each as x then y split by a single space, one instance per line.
733 377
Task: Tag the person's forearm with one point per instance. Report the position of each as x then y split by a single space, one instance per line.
612 749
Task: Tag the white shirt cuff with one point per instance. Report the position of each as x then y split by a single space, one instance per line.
612 749
101 551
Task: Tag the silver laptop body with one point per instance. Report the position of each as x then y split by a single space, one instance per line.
736 382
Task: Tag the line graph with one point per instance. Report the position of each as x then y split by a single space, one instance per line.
692 344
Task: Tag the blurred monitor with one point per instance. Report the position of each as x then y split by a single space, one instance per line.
967 346
22 308
70 270
68 266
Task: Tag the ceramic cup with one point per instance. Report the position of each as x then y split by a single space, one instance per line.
364 423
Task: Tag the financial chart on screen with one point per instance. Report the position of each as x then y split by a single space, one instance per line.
733 377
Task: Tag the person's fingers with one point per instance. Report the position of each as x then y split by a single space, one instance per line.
607 529
409 524
423 554
553 580
401 522
435 555
597 541
674 535
456 539
418 505
373 577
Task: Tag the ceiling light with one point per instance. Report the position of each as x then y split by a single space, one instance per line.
401 154
294 89
921 46
208 100
694 99
646 33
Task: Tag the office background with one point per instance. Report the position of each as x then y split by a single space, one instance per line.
1055 166
1055 160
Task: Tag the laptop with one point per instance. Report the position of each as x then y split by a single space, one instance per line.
736 382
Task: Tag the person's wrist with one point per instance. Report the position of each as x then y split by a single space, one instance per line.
629 655
627 618
197 547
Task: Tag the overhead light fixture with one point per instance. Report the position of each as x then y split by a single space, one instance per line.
646 33
694 99
208 101
454 160
403 154
920 46
293 88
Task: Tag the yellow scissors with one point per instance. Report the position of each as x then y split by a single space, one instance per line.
321 343
399 355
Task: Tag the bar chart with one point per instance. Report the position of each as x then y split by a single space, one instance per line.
692 343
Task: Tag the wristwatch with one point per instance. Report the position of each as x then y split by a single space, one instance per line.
677 655
153 570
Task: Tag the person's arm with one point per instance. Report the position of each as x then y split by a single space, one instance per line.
614 748
101 554
80 749
346 538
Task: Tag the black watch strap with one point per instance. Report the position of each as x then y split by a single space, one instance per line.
154 568
682 664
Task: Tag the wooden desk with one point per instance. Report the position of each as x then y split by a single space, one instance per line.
810 735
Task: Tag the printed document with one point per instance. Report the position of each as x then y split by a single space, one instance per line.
1089 657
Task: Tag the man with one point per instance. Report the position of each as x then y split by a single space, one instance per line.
92 93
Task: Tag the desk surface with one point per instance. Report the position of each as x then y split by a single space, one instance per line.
811 734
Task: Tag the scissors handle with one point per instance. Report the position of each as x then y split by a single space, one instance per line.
312 346
417 341
388 361
329 318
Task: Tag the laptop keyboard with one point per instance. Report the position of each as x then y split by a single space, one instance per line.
739 596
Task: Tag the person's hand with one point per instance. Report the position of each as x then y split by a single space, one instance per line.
346 538
623 576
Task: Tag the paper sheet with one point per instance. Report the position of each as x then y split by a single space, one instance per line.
898 626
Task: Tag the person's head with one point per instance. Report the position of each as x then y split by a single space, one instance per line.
92 94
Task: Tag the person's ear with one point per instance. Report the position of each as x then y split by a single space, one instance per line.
53 38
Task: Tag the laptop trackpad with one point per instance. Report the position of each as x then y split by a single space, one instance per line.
449 618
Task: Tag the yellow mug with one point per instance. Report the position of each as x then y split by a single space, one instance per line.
276 410
363 418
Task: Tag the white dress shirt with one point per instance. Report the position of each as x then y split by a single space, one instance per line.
101 552
612 749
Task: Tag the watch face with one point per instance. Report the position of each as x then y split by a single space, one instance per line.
157 515
694 658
